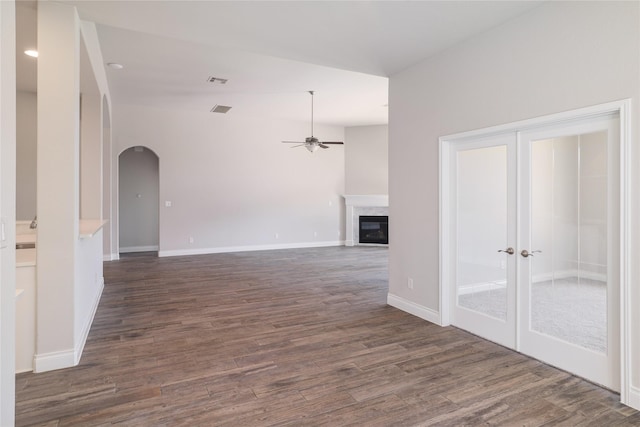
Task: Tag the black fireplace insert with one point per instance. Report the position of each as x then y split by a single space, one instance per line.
374 229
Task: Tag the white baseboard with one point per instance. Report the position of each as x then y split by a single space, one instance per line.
481 287
129 249
87 326
226 249
567 274
71 357
54 360
111 257
413 308
349 243
634 398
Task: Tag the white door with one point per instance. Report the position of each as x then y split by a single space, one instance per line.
569 196
534 243
484 229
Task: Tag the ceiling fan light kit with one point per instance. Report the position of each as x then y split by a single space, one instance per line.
312 143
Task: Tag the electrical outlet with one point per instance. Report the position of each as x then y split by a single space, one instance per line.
315 234
410 283
191 239
277 236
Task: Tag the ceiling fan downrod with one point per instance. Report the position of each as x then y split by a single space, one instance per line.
311 92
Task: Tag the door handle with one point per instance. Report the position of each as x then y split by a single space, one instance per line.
525 253
510 251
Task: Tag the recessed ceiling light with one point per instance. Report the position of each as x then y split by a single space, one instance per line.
32 53
115 65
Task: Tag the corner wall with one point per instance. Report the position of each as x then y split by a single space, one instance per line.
557 57
69 262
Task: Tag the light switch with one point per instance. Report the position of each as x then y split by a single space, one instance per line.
167 204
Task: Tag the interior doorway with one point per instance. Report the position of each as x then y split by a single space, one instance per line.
138 200
532 233
107 180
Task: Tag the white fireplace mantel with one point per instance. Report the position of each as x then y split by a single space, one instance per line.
361 204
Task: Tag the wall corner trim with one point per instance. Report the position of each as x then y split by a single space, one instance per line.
412 308
634 398
77 354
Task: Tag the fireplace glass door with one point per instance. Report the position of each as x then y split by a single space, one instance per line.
374 229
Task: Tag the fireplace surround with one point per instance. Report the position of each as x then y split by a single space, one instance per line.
362 205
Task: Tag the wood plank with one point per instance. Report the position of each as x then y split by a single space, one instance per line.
291 337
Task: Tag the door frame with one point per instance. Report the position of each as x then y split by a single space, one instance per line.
623 108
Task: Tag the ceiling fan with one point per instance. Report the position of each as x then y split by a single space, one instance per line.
312 143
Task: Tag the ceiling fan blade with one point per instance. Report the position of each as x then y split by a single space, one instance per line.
293 142
320 144
299 145
332 142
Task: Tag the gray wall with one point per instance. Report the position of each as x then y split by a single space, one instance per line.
558 57
367 160
138 200
233 184
26 145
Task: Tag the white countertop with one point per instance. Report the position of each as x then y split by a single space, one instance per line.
25 257
26 238
89 227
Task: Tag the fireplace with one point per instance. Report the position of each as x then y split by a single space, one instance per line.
374 229
362 205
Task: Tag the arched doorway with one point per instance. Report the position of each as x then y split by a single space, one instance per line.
138 200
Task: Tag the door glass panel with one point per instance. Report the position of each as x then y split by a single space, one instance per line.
569 200
481 196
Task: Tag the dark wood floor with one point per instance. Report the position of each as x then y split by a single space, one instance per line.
290 338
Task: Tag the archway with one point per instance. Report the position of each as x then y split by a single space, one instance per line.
138 200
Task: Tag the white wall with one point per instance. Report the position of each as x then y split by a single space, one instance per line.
26 142
91 156
69 266
7 210
560 56
107 181
232 183
367 159
58 181
108 177
138 200
88 289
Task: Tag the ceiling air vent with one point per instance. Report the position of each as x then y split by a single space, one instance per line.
217 80
220 109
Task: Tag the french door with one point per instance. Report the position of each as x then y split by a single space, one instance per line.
534 243
483 190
